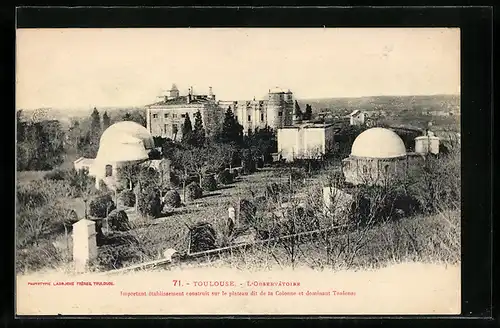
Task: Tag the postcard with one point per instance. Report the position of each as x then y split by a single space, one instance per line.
238 171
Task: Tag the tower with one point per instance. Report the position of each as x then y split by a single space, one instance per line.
173 92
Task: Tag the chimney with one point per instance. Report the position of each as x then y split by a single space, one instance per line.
188 98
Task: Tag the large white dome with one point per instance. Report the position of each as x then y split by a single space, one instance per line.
127 128
123 142
378 143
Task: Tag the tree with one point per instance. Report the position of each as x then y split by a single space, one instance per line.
106 121
198 131
128 174
308 114
127 117
298 111
232 131
187 131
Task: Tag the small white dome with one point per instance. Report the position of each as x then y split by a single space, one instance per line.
378 143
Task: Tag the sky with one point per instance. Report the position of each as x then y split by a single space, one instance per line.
83 68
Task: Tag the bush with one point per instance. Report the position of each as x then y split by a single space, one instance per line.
103 186
208 183
118 221
203 237
56 174
101 206
172 199
36 258
150 203
193 191
247 212
225 177
247 162
127 197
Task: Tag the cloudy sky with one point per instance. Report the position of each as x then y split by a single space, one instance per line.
80 68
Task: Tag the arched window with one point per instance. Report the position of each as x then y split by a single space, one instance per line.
365 169
386 169
109 170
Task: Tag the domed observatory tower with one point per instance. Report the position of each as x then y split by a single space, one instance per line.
377 156
121 144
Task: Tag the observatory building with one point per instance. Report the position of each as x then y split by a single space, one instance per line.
379 155
121 144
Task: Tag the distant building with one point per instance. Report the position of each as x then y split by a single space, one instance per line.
307 140
357 117
166 117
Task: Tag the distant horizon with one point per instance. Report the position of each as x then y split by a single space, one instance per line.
91 107
82 68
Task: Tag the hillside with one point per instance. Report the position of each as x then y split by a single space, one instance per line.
386 103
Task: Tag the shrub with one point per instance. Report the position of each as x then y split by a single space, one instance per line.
225 177
118 221
127 197
193 191
101 206
208 183
203 237
247 162
36 258
56 174
247 212
172 199
103 187
150 202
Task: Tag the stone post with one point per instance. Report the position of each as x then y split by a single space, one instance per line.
84 244
232 214
327 199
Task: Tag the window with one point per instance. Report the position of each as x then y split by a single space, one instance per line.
280 113
155 115
183 115
174 129
236 117
262 117
109 170
249 118
386 168
166 115
365 169
174 115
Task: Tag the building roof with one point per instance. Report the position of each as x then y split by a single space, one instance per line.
182 100
356 112
279 90
378 143
120 131
124 141
84 161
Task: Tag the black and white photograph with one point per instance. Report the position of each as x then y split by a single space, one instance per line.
238 171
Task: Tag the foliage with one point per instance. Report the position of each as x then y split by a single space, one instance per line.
149 202
106 121
101 205
247 162
203 237
247 212
118 220
232 131
127 197
187 132
225 177
198 135
308 113
56 174
209 183
298 112
40 145
194 191
172 199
